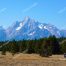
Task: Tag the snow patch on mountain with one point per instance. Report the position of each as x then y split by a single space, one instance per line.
45 27
32 33
41 26
20 26
59 33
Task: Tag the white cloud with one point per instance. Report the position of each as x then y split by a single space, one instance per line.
62 10
2 10
30 7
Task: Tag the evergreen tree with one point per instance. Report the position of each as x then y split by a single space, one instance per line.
4 50
55 45
63 46
14 47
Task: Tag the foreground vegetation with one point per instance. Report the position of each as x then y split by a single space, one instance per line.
45 47
21 59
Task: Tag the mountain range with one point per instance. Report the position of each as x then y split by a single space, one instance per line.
29 29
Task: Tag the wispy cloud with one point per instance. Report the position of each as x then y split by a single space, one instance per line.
62 10
2 10
30 7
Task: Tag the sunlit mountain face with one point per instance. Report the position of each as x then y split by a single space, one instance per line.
29 29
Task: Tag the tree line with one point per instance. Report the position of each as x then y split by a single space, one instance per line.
45 47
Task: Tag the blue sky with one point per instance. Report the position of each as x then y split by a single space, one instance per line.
46 11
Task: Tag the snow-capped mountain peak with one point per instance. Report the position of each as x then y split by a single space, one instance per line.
26 18
30 29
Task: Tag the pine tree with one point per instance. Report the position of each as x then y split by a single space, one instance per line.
63 46
55 45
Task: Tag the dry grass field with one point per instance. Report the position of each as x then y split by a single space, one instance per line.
31 60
